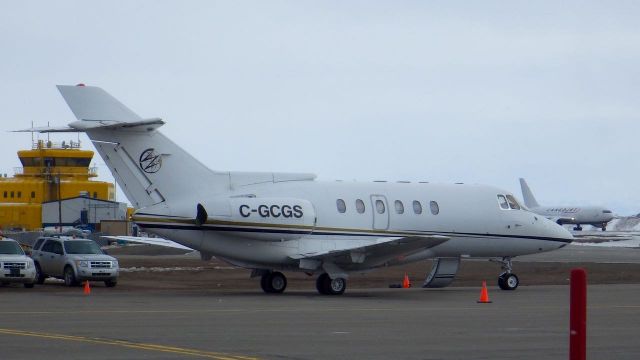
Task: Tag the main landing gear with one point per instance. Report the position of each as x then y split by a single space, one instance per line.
273 282
577 228
329 286
507 280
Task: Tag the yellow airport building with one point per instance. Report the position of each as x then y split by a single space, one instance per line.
50 172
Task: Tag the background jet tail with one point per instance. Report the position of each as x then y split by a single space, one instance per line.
529 199
149 168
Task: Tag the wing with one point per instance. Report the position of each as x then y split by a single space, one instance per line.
151 241
359 254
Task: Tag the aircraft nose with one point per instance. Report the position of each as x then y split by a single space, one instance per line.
561 235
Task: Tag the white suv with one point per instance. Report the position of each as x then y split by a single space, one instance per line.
73 260
15 266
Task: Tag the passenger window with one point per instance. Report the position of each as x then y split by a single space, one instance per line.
380 207
399 207
360 206
513 203
503 202
435 209
342 207
57 248
417 207
36 246
48 246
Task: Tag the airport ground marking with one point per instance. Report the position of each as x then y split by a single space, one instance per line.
128 344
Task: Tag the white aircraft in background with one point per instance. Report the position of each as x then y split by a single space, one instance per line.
273 222
578 215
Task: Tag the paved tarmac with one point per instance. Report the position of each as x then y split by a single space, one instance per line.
529 323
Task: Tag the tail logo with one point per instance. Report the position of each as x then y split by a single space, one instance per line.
150 161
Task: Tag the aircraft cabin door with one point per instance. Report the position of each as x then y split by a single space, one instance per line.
380 212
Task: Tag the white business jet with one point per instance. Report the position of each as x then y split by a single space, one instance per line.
578 215
273 222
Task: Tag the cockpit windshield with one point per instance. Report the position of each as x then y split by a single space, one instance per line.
508 202
513 203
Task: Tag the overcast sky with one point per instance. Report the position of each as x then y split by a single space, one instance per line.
478 92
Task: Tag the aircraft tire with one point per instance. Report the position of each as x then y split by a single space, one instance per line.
322 284
277 282
337 286
508 281
264 283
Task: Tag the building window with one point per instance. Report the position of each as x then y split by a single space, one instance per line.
342 207
360 206
33 194
19 194
95 195
12 194
380 206
417 207
399 207
5 194
435 209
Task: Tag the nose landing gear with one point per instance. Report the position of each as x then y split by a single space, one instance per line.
507 280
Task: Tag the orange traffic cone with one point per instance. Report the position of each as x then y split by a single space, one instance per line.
405 282
484 294
87 288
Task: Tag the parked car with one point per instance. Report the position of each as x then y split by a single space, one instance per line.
15 266
73 260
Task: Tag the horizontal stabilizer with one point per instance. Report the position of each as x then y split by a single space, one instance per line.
92 103
84 125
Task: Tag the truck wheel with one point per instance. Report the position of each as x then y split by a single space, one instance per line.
40 277
70 277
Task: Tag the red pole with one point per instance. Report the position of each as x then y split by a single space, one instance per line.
578 315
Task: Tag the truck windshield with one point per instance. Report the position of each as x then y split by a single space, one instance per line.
81 247
10 248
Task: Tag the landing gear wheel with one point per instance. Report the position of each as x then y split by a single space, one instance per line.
577 228
337 286
322 284
508 281
273 282
277 282
329 286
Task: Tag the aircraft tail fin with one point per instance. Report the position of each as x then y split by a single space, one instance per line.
149 167
529 199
